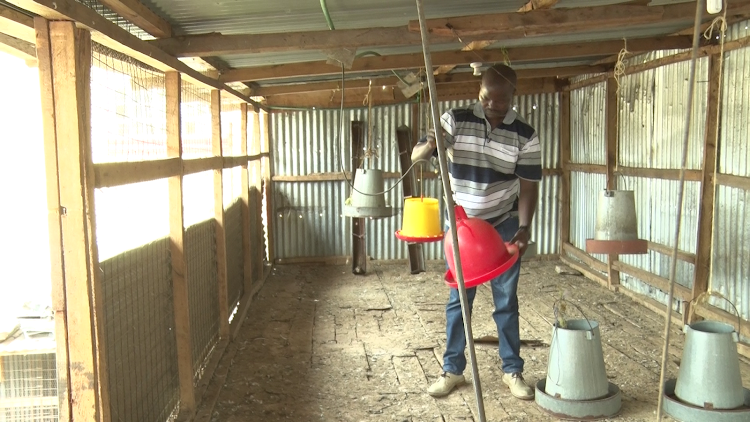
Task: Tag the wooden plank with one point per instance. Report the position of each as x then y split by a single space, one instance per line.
123 173
416 60
584 257
57 274
359 225
731 180
339 176
586 271
472 46
18 48
612 130
118 39
71 55
566 21
257 198
221 244
267 163
661 283
177 246
17 24
247 253
137 13
565 191
235 161
664 174
587 168
667 250
197 165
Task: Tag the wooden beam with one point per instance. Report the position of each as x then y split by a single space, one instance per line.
267 169
57 274
16 24
587 168
358 225
585 270
702 271
247 254
667 250
661 283
137 13
664 174
257 198
566 21
416 60
472 46
180 291
339 176
612 131
118 39
18 48
740 182
565 191
537 4
584 257
71 66
221 244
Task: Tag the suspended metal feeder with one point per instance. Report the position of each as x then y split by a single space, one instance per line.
368 198
616 225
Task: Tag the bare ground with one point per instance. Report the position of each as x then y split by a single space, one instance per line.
321 344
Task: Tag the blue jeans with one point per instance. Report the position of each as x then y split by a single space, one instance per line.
505 315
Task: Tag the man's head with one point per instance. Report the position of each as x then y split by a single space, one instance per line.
496 91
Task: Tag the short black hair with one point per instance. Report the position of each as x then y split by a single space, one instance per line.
500 73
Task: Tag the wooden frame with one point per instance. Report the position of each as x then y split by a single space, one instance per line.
612 151
221 244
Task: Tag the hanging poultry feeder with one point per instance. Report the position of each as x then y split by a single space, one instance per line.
484 255
616 225
709 385
368 198
576 386
421 223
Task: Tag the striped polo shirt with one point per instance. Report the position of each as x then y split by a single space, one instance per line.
485 163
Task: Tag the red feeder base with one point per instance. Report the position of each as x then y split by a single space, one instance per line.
413 239
620 247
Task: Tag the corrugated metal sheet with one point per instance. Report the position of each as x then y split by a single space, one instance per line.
584 191
730 270
588 136
652 106
308 216
734 154
738 30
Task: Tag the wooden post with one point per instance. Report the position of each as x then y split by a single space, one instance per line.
70 52
257 197
359 225
44 57
177 236
221 244
613 276
411 189
706 210
247 256
565 190
267 163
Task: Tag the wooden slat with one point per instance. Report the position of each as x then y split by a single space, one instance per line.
247 255
267 163
586 271
236 161
141 16
197 165
118 39
180 291
731 180
584 257
221 245
57 276
612 113
16 24
665 174
566 21
116 174
564 160
339 176
661 283
358 225
667 250
257 199
71 55
416 60
587 168
18 48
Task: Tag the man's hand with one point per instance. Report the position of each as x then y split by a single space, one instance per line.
431 139
423 151
522 239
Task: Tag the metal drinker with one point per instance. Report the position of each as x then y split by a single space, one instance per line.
576 386
616 225
368 198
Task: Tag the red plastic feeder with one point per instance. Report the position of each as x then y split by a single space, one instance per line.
484 255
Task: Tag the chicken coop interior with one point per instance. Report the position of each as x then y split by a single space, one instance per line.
200 162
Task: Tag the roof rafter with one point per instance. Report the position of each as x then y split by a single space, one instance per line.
140 15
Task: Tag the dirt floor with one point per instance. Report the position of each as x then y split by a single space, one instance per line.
321 344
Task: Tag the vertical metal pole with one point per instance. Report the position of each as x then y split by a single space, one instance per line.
451 214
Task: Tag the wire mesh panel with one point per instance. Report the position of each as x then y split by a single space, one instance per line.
235 270
28 388
200 253
231 127
139 333
196 121
128 108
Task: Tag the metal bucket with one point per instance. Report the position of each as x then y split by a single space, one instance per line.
368 198
709 375
615 216
576 363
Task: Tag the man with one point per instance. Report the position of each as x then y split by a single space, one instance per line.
494 160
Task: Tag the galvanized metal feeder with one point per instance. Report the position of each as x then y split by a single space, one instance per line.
708 386
576 386
368 197
616 225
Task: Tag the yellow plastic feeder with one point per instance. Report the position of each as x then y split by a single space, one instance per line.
421 222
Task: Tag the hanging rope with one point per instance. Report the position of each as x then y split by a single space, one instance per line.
370 152
619 70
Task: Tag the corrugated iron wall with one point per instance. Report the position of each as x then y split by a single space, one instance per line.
308 216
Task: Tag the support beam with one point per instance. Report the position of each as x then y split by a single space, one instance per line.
267 169
708 193
70 52
256 185
611 110
110 35
410 190
416 60
18 48
564 160
221 243
137 13
57 274
177 245
359 225
566 21
17 25
247 254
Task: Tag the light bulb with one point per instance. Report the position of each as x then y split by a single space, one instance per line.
714 6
